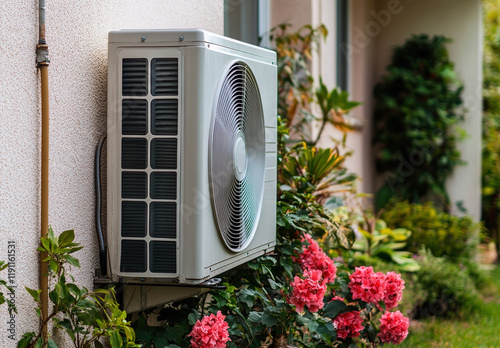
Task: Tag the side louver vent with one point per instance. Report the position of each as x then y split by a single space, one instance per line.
149 164
135 77
237 138
165 76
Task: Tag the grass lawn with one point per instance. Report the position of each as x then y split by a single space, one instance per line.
480 329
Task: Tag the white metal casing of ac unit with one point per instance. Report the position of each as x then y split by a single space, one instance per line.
140 249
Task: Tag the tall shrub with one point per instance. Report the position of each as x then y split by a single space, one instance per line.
441 233
414 122
491 119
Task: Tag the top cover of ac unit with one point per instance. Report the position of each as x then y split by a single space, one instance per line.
191 155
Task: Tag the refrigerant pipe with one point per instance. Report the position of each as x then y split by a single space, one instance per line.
42 63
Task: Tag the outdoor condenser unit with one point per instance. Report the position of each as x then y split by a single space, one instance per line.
191 155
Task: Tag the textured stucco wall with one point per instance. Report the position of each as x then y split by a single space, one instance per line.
77 38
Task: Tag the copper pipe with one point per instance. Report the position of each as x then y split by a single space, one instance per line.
44 204
42 60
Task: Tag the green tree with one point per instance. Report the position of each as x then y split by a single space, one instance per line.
491 119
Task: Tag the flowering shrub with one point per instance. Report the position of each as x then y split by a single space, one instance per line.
348 324
393 327
372 287
308 291
394 286
210 332
367 285
314 258
297 296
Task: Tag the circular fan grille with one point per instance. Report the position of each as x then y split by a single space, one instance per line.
237 156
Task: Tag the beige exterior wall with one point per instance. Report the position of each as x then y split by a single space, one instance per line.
77 39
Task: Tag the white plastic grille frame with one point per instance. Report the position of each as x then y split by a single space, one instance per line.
158 245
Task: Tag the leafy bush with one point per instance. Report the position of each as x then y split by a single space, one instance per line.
381 242
442 287
491 120
441 233
85 316
417 108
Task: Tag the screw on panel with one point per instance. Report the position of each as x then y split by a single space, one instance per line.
143 279
181 38
143 38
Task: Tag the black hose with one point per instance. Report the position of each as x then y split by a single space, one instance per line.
98 206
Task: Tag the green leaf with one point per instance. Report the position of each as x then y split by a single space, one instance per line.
268 319
39 343
129 333
327 331
192 318
53 266
253 265
160 341
115 339
274 285
333 308
247 296
313 325
26 340
66 237
255 317
34 293
46 244
72 260
51 344
50 233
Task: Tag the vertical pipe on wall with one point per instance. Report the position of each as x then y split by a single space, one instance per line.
42 61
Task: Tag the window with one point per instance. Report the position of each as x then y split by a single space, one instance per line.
241 20
342 38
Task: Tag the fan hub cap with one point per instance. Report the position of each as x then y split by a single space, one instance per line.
240 157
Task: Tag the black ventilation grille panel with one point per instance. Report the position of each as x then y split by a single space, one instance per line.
134 185
163 220
135 77
134 256
164 76
164 153
134 116
162 258
164 116
164 185
134 215
148 165
134 153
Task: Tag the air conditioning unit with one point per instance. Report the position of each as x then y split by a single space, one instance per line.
191 183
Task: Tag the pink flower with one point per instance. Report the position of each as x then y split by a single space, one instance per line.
308 291
367 285
394 286
348 324
314 258
210 332
393 327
